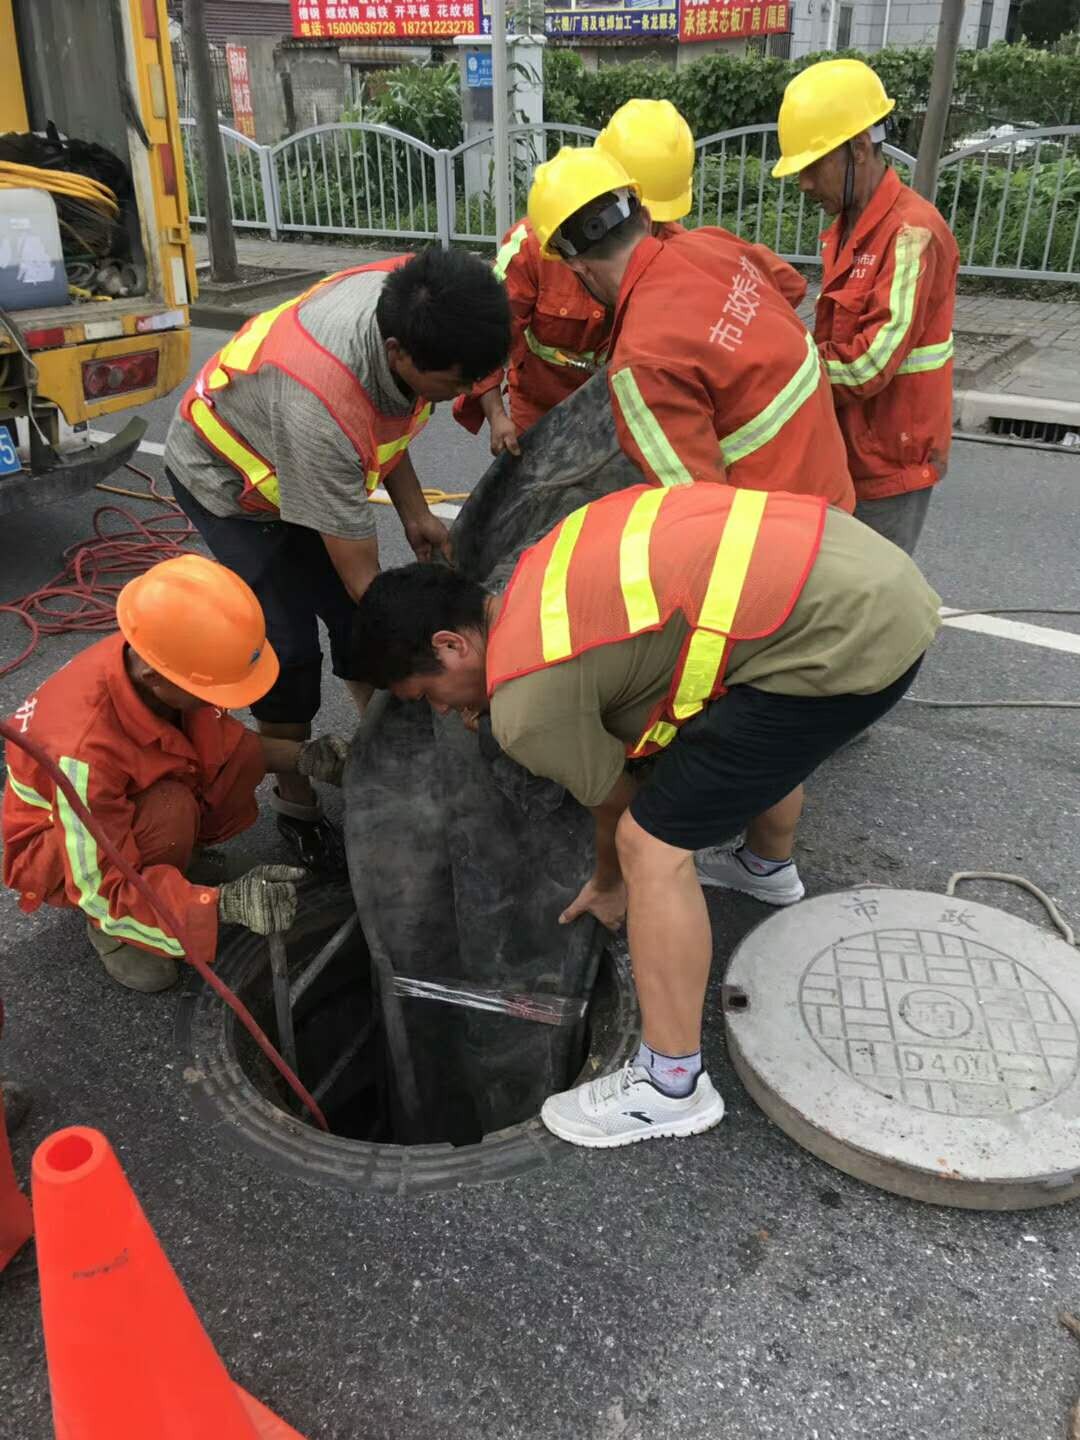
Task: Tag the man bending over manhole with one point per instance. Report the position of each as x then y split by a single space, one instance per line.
742 637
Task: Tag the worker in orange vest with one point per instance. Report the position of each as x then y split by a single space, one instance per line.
139 724
888 291
285 434
712 374
741 637
560 331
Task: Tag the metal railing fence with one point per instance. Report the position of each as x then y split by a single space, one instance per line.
1013 201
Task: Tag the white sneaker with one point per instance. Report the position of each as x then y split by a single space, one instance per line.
622 1108
710 852
722 868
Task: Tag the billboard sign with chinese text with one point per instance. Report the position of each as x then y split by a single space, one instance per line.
236 58
724 20
610 20
383 19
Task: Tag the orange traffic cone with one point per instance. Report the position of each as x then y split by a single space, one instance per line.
16 1223
127 1355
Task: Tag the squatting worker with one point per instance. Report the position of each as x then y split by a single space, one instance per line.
712 374
138 723
888 290
743 635
560 330
288 430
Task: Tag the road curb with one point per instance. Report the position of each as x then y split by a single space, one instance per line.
974 409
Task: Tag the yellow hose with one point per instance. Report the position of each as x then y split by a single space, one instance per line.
433 497
60 182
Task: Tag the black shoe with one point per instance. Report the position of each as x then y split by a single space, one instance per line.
317 844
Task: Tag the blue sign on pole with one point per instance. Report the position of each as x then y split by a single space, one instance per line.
478 70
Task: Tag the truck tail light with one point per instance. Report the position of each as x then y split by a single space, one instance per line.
44 339
119 373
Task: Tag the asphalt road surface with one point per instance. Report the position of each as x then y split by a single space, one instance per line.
728 1286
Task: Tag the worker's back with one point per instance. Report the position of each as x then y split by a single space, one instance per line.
703 327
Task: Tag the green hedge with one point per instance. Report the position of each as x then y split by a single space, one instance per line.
1005 83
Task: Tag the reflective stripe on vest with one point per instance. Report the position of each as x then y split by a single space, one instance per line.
28 795
699 676
554 355
242 355
767 424
260 479
927 357
510 248
85 863
559 603
660 454
890 335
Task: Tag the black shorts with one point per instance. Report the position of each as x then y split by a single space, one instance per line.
745 752
291 572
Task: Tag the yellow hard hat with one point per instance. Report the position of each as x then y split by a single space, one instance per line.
562 186
200 626
653 143
823 106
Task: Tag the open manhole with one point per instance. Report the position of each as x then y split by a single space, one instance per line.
344 1061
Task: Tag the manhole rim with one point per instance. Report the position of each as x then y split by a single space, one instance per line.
225 1096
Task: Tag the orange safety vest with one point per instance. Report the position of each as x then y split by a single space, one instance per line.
278 337
733 561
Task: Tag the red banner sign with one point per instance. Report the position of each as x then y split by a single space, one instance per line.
722 20
240 85
389 19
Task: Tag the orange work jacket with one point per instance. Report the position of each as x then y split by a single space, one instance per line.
558 335
278 337
884 329
733 561
714 377
111 747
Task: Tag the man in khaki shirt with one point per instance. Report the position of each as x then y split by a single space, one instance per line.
847 652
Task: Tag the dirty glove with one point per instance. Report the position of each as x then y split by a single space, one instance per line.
323 758
264 899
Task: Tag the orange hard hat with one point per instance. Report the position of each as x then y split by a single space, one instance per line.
202 627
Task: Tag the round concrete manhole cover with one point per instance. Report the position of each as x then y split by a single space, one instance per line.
926 1044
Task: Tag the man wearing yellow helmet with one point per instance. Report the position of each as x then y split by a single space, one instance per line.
560 330
885 312
712 374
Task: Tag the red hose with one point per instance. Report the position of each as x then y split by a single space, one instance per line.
168 919
97 569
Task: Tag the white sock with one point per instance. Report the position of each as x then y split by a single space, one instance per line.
674 1075
758 866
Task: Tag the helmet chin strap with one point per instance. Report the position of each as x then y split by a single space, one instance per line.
849 179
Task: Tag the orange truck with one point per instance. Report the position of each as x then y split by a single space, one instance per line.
99 72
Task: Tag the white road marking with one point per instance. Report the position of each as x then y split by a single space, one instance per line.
150 447
1002 628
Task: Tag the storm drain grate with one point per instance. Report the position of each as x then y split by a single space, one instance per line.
1038 432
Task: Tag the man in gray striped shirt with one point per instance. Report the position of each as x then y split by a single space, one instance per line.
284 435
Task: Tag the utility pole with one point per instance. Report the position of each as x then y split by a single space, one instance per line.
937 106
500 115
219 226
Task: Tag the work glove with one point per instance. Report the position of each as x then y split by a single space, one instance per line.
323 758
264 899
